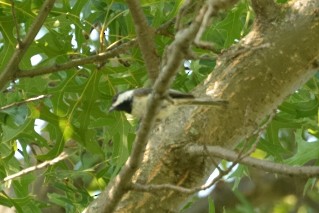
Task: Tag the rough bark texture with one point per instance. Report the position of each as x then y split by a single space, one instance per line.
275 59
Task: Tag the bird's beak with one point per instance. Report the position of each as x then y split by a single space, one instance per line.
112 108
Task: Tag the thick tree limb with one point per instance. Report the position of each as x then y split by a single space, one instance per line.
109 199
266 10
255 76
13 66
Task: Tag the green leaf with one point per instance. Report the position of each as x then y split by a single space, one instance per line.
245 205
227 31
211 205
306 151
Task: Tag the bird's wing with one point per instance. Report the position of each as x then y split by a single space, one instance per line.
179 95
171 93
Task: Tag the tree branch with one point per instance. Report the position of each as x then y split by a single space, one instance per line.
254 76
82 61
145 38
13 11
109 199
119 187
24 101
76 62
229 155
55 160
13 66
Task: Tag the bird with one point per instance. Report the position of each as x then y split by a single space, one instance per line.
134 102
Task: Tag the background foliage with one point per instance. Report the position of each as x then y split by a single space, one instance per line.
74 116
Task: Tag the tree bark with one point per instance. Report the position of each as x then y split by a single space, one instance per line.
278 56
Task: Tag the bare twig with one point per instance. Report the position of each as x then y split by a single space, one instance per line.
164 28
145 38
213 7
153 188
13 65
76 62
59 158
15 22
18 103
258 132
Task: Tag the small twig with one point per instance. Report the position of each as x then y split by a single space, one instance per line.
153 188
59 158
212 158
24 101
213 7
164 28
222 173
259 133
205 22
15 22
189 7
76 62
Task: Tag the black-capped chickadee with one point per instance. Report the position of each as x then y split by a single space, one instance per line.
134 102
